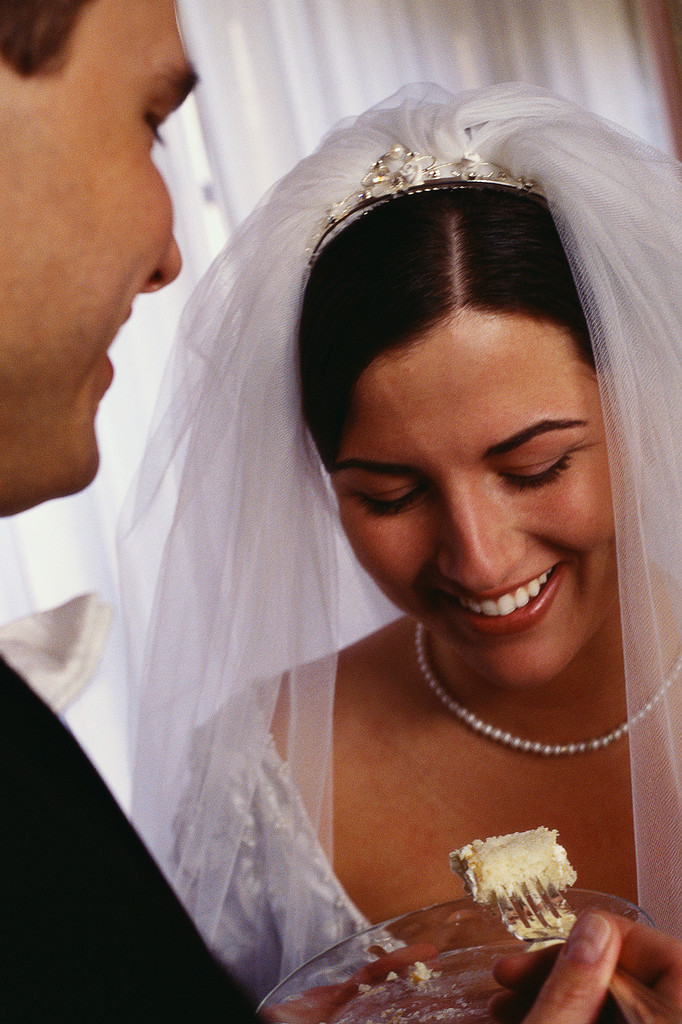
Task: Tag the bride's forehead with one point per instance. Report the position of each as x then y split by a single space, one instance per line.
473 342
444 389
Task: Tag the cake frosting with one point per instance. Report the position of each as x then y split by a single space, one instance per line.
507 863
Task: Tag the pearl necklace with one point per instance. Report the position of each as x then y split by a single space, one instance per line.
507 739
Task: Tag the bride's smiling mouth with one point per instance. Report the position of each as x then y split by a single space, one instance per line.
510 602
518 609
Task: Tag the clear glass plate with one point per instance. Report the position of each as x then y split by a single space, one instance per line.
468 939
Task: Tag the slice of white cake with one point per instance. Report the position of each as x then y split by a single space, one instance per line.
507 863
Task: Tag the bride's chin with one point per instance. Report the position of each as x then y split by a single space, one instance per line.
513 665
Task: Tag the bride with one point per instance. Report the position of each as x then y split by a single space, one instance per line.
411 526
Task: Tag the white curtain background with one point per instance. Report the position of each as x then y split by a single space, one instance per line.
275 75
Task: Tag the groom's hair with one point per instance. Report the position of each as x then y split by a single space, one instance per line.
34 34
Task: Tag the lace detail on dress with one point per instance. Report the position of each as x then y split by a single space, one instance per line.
279 850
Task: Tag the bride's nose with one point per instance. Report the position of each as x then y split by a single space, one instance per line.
480 546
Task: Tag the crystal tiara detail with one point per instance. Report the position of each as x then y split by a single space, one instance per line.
400 171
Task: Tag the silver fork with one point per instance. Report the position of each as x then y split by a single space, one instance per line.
535 912
541 915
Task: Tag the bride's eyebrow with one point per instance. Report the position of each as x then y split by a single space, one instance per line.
387 468
543 427
501 448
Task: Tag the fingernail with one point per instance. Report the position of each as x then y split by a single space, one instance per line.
588 939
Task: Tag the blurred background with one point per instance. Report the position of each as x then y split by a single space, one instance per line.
275 75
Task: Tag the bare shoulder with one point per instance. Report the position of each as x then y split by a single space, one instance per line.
386 644
373 672
384 660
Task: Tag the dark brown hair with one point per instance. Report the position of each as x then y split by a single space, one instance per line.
408 265
34 33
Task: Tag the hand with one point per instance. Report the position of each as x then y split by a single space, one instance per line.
568 984
320 1004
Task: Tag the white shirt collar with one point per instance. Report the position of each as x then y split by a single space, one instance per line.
57 651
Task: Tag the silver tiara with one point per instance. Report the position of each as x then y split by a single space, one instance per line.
400 171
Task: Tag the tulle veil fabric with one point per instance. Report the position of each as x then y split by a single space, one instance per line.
237 579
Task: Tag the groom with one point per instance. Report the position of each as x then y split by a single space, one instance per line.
91 931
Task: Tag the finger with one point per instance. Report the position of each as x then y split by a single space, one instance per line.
309 1007
509 1007
577 986
396 961
654 958
319 1003
525 972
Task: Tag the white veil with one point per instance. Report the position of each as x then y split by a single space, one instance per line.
235 572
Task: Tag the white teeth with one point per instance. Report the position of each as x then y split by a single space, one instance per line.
508 603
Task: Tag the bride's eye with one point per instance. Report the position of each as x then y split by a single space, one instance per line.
527 481
390 506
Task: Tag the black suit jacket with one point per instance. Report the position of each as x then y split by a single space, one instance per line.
90 929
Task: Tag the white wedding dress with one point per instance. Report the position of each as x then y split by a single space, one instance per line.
247 931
